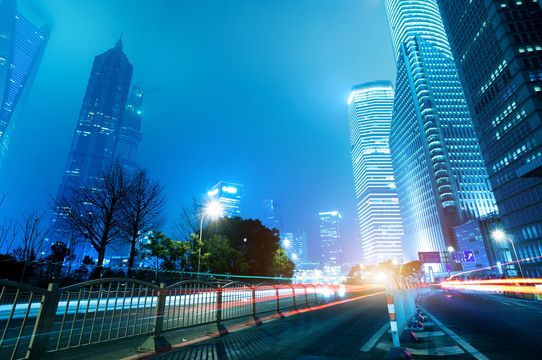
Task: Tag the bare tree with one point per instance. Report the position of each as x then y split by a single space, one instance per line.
33 234
94 213
8 233
189 219
142 211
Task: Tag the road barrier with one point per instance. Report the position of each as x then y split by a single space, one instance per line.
401 295
44 322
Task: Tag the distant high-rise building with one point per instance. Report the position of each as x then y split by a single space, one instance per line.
295 245
99 125
229 196
330 233
498 50
129 133
24 32
272 215
439 171
370 108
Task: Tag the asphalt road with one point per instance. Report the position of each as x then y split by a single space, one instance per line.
496 326
333 332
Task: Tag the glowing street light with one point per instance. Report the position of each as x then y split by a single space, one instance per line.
213 209
500 235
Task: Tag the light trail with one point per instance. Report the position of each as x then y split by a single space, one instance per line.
526 286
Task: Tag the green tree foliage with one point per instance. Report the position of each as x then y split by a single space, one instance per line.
414 269
218 257
282 266
256 243
162 252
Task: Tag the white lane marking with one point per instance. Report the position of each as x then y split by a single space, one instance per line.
440 351
429 334
478 355
372 341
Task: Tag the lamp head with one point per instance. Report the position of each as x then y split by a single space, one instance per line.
214 209
498 234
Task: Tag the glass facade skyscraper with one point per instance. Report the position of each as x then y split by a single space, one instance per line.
229 196
330 235
24 32
97 132
370 109
498 50
439 171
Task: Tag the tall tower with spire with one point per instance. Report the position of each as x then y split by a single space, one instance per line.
99 125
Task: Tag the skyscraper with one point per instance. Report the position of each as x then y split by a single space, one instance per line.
272 215
295 245
229 196
369 109
99 126
439 171
24 32
498 50
129 133
330 234
98 129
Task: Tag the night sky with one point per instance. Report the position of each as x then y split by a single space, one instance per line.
250 92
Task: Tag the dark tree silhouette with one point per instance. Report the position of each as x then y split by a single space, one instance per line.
94 213
142 211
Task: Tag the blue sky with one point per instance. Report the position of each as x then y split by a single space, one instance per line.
252 92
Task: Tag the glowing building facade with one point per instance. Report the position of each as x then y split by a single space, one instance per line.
295 245
370 109
330 235
498 50
229 195
439 171
24 32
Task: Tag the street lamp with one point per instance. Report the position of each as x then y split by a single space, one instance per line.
500 235
213 209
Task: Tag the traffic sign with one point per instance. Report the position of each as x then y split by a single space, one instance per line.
429 257
464 256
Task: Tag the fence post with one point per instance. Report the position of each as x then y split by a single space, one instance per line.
44 323
157 342
257 321
293 295
278 302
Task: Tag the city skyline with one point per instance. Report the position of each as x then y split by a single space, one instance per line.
182 118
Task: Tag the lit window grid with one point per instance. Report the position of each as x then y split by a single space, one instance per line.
370 108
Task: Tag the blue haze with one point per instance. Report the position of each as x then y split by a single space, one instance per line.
250 92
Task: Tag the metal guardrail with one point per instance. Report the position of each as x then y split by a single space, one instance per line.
36 323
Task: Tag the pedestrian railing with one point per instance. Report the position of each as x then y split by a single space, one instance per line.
36 323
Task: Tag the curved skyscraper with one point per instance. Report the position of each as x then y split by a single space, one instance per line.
416 17
24 32
370 109
441 178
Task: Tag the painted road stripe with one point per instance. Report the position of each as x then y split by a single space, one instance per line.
372 341
429 334
440 351
478 355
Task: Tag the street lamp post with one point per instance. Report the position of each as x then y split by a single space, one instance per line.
500 235
212 209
